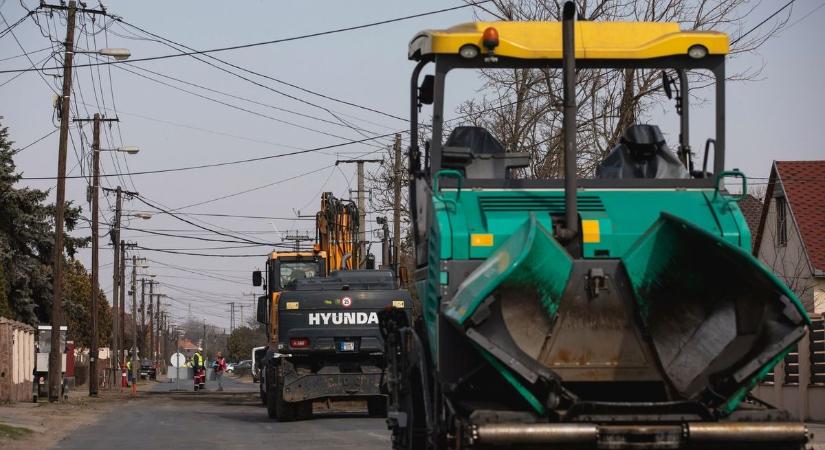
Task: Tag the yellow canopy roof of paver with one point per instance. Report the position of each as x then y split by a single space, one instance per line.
594 40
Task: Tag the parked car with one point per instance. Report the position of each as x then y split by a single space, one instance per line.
230 367
148 370
244 365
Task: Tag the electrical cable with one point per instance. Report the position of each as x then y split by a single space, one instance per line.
256 188
147 203
791 2
268 77
229 163
36 141
197 238
230 105
277 41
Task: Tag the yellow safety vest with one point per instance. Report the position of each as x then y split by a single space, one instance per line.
197 360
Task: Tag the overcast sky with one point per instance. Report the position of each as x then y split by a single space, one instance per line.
777 117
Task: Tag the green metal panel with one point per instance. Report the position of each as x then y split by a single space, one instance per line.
623 215
530 257
524 251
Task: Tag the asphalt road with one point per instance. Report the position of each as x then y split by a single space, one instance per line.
233 419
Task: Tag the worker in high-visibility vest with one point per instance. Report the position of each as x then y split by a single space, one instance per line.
129 370
198 370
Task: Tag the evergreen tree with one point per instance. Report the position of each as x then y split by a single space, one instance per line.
27 241
77 286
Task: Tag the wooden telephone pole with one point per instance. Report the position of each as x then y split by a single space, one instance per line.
396 214
362 208
93 347
56 353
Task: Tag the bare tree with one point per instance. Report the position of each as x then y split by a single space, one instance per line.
522 107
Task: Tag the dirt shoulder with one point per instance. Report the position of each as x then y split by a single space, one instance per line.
41 425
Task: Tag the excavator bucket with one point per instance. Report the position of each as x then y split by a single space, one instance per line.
718 320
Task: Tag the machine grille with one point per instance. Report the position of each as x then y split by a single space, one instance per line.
523 202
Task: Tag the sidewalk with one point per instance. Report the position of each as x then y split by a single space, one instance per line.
47 423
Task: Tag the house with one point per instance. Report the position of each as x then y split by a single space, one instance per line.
751 208
790 240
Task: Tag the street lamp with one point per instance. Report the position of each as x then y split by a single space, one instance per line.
140 215
119 54
130 149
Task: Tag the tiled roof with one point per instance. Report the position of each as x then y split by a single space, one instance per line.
752 210
804 186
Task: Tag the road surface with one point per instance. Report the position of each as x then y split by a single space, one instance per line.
233 419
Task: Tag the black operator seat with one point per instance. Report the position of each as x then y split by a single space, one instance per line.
479 155
641 153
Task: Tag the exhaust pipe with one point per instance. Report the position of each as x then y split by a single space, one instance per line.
571 216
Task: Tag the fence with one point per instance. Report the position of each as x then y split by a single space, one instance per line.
798 383
16 361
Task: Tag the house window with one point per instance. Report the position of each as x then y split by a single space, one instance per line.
781 222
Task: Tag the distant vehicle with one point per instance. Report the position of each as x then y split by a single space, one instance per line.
148 370
258 354
230 367
245 364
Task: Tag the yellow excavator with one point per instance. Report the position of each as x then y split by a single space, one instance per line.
321 315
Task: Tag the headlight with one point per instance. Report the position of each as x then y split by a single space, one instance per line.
697 51
468 51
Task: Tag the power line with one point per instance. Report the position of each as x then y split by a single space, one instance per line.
268 77
237 97
762 22
144 201
230 105
229 163
13 26
36 141
256 188
274 41
808 14
242 216
179 236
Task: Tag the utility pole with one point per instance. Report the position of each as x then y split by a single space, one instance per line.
123 302
152 322
231 317
118 276
142 341
56 353
135 368
297 239
158 315
386 253
254 299
116 342
362 208
94 188
396 214
242 306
